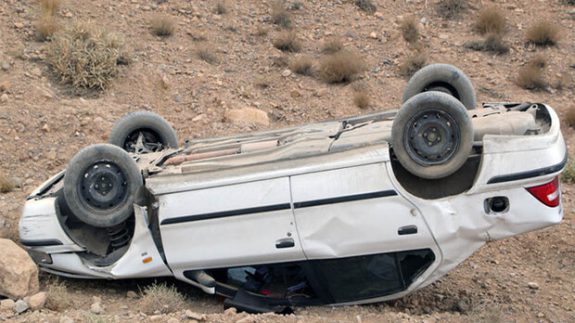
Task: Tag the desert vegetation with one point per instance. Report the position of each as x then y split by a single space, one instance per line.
532 75
47 23
543 33
161 298
6 184
287 41
450 9
302 65
162 26
409 30
341 67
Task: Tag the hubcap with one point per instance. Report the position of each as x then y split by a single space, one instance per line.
103 186
431 137
143 141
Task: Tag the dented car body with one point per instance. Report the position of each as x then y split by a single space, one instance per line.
317 214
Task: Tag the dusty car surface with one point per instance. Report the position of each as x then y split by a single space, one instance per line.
364 209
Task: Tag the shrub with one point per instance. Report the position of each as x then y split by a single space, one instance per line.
50 7
570 121
568 175
207 55
296 6
287 42
490 21
332 45
162 26
366 5
6 184
46 27
538 61
531 76
85 57
280 15
492 43
302 65
361 99
221 8
341 67
543 33
409 30
449 9
57 297
161 298
412 64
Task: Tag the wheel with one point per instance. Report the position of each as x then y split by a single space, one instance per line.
100 184
143 132
432 135
442 78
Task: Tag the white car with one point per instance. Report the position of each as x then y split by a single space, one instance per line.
359 210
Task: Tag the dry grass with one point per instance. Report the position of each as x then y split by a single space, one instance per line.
50 7
162 26
207 54
409 30
563 81
302 65
492 43
58 297
262 82
532 75
570 118
261 31
361 99
490 21
366 5
221 8
568 175
450 9
543 33
538 61
341 67
569 2
85 56
412 64
46 27
287 42
6 184
161 298
280 15
332 45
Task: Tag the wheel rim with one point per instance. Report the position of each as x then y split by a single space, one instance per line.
143 141
103 186
431 137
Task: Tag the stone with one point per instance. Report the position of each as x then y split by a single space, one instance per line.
194 316
373 35
18 25
156 318
36 71
5 66
21 306
96 308
247 115
18 273
533 285
231 311
443 36
66 319
173 320
37 301
131 294
286 73
52 154
4 98
5 86
7 305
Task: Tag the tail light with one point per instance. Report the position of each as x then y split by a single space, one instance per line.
548 194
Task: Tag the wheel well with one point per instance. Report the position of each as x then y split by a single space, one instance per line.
456 183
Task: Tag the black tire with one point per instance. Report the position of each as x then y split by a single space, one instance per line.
143 132
443 78
432 135
100 184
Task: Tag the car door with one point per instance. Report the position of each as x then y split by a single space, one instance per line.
227 226
355 229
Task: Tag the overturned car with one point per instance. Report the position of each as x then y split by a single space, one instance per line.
359 210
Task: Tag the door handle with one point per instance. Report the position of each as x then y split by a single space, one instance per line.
285 243
408 229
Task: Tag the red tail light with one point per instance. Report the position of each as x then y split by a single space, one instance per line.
548 194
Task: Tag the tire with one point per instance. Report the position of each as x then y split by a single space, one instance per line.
443 78
143 132
432 135
100 184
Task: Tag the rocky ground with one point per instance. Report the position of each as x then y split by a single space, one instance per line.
43 124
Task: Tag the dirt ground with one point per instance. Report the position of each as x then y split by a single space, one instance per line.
42 125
